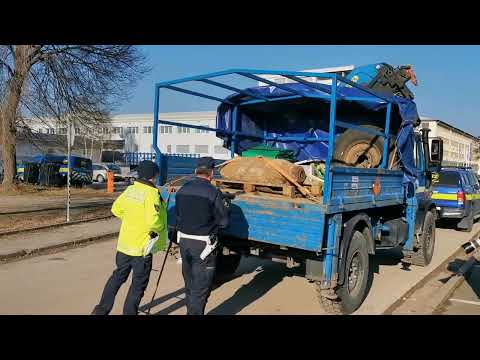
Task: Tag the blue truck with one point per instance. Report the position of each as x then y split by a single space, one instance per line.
456 192
81 169
376 193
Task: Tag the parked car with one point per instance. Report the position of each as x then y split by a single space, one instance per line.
100 172
456 193
132 176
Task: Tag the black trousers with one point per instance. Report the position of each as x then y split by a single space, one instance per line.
197 273
141 268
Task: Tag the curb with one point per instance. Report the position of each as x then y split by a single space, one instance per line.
53 226
452 284
21 254
427 278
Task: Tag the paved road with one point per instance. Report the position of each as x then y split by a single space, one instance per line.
466 299
71 282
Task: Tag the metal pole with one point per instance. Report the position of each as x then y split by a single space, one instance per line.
327 188
234 132
69 135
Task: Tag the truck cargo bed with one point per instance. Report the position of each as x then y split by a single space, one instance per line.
300 223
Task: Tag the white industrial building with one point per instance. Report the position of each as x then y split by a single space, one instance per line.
459 147
136 130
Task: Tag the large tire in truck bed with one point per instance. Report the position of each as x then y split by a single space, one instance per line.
358 279
360 149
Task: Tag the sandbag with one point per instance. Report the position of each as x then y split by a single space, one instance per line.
256 170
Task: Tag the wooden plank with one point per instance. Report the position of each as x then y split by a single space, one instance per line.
316 189
249 187
289 191
223 181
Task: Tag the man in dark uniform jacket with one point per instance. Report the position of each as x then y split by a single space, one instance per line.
200 213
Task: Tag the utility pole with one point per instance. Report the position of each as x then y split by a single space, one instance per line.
69 136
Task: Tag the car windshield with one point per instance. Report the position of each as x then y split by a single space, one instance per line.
113 167
448 178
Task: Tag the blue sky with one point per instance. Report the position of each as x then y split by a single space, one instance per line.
448 76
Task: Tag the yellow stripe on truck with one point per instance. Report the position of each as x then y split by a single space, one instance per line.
439 196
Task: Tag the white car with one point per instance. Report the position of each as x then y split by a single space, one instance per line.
100 172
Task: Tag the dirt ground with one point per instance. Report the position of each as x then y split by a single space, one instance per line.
13 222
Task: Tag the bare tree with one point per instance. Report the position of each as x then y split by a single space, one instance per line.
85 82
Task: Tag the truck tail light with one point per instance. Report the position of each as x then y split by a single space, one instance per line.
460 197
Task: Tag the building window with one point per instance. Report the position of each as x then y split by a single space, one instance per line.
183 130
147 129
201 149
183 149
117 130
51 131
165 129
40 131
218 149
106 130
62 131
169 149
201 131
77 131
132 130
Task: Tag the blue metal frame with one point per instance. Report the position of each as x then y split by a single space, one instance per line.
293 75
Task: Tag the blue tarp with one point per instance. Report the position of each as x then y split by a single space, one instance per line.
261 122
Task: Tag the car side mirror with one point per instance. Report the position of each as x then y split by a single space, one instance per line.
436 152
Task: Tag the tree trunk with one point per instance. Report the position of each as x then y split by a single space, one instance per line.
8 115
9 134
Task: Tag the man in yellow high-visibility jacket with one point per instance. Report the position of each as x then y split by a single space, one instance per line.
144 217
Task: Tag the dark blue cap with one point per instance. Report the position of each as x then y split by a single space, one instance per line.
206 162
147 170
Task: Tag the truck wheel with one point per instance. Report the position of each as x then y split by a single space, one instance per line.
360 149
100 179
424 254
226 264
359 276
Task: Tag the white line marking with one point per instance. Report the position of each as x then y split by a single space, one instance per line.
466 301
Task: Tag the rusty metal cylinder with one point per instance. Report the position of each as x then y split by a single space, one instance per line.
255 170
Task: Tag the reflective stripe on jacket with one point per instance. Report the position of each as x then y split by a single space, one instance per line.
142 211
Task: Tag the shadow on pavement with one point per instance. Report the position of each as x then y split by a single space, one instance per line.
161 300
390 257
472 278
450 224
268 276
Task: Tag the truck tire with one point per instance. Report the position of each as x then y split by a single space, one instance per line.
100 179
226 265
360 149
424 254
359 276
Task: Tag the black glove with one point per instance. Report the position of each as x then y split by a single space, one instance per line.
172 235
227 199
153 235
